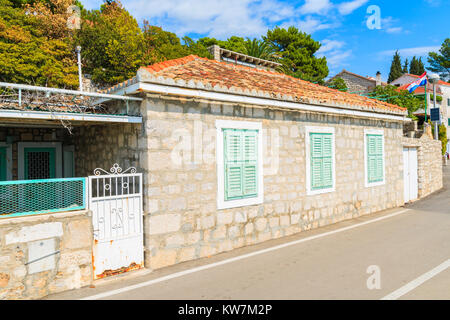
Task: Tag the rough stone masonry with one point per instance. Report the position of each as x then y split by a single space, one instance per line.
182 221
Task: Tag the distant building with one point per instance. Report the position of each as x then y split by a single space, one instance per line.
442 97
357 83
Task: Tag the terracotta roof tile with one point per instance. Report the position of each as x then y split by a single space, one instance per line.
277 85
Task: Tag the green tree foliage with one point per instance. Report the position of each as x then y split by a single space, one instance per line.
405 66
440 61
396 70
403 98
416 67
112 44
338 83
295 50
442 135
258 49
33 50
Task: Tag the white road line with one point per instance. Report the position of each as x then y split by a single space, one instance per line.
417 282
245 256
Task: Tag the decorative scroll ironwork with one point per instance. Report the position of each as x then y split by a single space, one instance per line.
115 170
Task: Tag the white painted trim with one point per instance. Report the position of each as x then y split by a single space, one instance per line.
8 160
238 258
43 115
235 98
318 129
230 124
20 157
366 175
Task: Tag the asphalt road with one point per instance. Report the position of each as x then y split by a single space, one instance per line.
409 249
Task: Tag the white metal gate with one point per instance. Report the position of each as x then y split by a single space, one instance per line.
115 199
410 174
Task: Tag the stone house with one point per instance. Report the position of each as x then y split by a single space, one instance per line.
220 156
357 83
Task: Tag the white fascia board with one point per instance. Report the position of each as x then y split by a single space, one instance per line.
233 98
84 117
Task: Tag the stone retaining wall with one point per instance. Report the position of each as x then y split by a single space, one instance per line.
45 254
429 162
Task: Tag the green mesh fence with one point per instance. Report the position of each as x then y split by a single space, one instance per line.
28 197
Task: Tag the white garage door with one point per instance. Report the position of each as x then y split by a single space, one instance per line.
410 174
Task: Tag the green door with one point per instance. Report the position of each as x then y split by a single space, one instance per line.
3 164
39 163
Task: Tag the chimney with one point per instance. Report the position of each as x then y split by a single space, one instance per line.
215 51
378 78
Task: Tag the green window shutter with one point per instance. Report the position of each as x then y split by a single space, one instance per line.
374 158
240 163
321 160
250 139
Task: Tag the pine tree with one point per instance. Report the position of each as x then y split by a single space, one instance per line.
296 51
421 67
405 66
440 61
396 68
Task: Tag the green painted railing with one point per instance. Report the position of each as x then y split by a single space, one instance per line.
28 197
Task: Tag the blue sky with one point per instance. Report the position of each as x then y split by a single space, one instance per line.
414 27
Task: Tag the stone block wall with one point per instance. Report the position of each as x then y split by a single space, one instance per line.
429 163
357 84
181 219
44 254
101 146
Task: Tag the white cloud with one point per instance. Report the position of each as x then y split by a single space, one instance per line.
433 3
336 54
315 6
216 18
246 18
330 45
409 52
310 25
348 7
394 30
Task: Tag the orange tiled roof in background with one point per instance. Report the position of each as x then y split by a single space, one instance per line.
277 85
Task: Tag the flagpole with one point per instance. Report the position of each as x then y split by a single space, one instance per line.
426 103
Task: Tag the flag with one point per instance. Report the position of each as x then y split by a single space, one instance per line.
419 82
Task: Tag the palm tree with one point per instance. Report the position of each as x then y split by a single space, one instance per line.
258 49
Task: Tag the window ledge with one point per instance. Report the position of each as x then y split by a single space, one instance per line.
239 203
319 191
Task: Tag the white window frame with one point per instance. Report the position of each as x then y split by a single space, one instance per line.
308 131
58 156
8 159
231 124
366 174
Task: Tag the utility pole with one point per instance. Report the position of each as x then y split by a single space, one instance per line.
78 50
434 79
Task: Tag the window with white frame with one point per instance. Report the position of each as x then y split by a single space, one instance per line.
239 163
374 157
320 160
